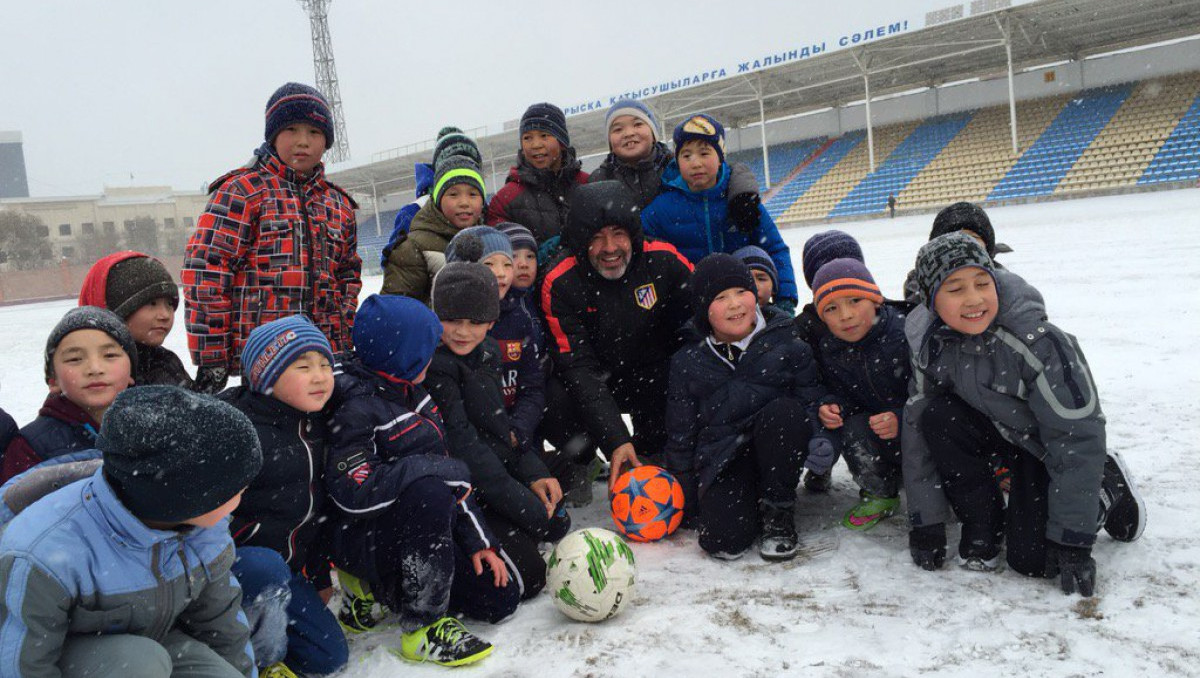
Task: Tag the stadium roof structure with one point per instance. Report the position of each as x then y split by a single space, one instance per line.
988 43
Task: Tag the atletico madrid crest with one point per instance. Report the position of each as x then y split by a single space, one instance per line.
645 296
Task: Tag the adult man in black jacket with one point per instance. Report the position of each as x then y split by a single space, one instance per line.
615 309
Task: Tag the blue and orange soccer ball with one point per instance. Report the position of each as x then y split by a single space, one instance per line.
647 503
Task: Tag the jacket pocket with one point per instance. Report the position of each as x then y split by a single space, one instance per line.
276 248
115 620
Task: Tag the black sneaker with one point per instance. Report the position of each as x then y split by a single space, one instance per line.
978 551
1121 505
779 538
818 482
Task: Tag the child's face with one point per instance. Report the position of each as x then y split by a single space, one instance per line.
525 267
151 323
766 288
300 146
462 204
541 149
849 318
215 516
967 300
630 138
502 266
609 252
306 384
462 336
731 314
699 164
90 369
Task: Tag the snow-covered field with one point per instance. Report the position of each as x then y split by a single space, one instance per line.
1122 274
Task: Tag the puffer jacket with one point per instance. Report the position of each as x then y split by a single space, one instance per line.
160 365
698 224
537 199
712 403
121 577
270 244
1031 379
644 178
61 427
423 175
418 257
870 375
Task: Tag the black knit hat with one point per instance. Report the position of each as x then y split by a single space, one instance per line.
456 143
466 290
132 283
294 102
965 216
172 455
547 118
89 318
455 169
823 248
944 255
713 275
596 205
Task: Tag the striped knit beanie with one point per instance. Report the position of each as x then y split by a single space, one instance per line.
452 141
272 347
455 169
635 108
945 254
477 243
757 259
294 103
547 118
842 278
825 247
518 235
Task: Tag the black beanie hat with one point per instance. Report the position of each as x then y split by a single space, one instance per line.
172 455
132 283
89 318
944 255
294 102
965 216
713 275
466 290
547 118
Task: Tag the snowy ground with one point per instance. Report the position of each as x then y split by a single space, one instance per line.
1121 273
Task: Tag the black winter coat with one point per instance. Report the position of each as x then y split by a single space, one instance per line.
158 365
644 180
8 429
712 403
61 427
537 199
871 375
284 507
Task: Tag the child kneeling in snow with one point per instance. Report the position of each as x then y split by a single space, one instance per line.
990 373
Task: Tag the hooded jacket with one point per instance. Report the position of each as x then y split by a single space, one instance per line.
697 224
415 260
61 427
601 329
270 244
121 577
1031 380
644 178
537 199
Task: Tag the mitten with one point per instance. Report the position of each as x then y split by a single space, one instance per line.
821 456
743 211
211 380
927 544
1074 566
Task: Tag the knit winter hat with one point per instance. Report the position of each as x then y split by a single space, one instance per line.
965 216
704 128
454 142
757 259
547 118
89 318
455 169
396 335
466 290
272 347
844 278
825 247
945 254
477 243
125 281
294 102
635 108
172 455
713 275
519 236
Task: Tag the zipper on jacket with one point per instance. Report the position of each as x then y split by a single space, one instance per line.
291 541
162 595
306 234
187 572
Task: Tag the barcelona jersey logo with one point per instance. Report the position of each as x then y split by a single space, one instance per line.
513 351
645 296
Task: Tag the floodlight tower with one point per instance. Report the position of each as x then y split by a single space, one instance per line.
327 80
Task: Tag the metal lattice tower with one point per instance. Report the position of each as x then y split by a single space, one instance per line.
326 72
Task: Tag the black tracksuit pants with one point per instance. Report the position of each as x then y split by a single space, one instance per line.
873 461
767 468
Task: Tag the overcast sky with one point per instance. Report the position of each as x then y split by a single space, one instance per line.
144 92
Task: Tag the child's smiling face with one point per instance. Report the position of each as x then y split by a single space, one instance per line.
541 149
967 301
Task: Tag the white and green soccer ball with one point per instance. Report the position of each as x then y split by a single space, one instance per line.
591 574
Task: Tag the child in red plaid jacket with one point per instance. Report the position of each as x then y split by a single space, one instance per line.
276 239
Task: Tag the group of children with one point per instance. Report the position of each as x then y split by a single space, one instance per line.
152 529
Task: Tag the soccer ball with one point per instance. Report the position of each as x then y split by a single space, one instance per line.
647 503
591 574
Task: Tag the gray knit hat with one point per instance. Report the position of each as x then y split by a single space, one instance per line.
455 169
945 254
466 290
452 141
518 235
477 243
90 318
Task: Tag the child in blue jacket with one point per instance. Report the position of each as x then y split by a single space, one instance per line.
692 212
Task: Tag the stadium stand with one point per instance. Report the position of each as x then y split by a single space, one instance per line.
825 157
1178 159
784 157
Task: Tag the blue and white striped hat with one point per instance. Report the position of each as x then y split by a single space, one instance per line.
270 348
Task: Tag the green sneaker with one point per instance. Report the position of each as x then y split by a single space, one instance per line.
869 511
446 642
357 613
278 670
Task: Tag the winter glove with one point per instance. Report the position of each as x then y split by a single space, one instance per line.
927 544
211 380
785 305
821 456
548 250
743 211
1075 567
